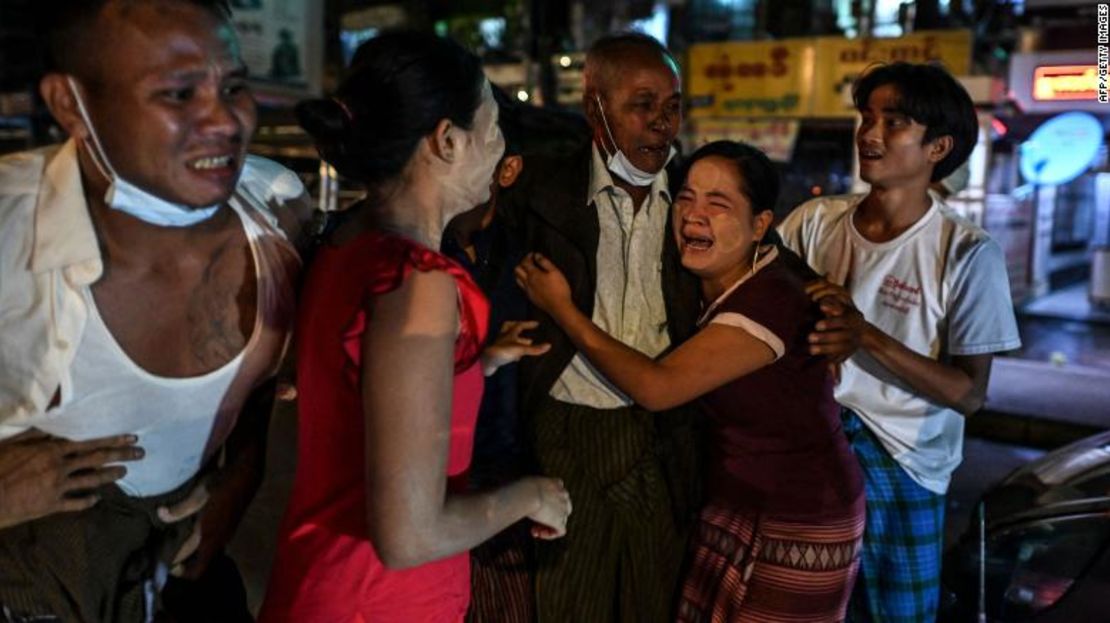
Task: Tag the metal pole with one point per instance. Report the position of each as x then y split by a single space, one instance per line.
329 188
982 562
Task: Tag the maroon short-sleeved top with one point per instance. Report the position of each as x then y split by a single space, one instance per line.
776 443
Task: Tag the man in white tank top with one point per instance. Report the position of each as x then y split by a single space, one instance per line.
146 296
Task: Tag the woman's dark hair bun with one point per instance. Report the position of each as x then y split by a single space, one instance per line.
400 85
325 120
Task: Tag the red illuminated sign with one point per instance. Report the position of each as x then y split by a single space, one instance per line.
1065 83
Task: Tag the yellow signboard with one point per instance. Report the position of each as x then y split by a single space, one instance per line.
840 61
750 79
805 77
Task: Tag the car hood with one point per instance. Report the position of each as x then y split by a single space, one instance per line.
1075 478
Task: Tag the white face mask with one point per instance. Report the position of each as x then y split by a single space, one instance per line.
126 197
620 165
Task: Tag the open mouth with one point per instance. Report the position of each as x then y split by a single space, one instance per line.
696 242
658 150
211 163
870 154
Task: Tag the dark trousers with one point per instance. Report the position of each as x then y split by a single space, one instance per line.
502 576
92 566
217 596
632 477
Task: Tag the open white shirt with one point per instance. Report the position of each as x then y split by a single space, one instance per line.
49 258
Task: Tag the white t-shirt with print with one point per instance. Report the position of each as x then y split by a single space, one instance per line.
940 288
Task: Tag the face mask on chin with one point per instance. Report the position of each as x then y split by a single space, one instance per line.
125 196
619 164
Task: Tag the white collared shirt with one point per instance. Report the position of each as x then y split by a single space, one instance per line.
628 299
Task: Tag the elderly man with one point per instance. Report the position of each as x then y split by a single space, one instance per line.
603 216
146 289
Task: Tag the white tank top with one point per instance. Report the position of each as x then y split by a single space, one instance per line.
180 422
112 395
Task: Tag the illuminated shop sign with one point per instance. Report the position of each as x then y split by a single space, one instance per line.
1065 83
808 76
1061 149
751 79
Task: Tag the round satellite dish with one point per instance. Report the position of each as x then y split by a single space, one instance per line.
1061 149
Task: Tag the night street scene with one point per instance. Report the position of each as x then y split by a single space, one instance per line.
567 311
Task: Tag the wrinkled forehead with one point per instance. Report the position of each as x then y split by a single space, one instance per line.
641 71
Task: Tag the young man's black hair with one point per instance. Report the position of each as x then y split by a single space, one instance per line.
932 97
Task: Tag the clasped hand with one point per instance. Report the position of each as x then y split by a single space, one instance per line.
543 283
839 334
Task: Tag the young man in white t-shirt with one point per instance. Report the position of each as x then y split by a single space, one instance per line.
933 303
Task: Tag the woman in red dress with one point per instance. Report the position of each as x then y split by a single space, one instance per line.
779 535
389 354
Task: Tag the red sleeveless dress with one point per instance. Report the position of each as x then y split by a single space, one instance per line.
326 569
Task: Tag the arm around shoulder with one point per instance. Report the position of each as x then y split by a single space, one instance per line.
712 357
